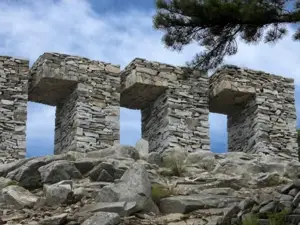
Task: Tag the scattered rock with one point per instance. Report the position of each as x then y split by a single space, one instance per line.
186 204
55 220
59 193
142 146
103 218
18 196
59 170
135 181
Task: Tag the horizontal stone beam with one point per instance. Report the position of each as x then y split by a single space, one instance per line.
54 76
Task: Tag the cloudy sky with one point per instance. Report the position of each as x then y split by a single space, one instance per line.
115 31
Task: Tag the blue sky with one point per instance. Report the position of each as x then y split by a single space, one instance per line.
115 31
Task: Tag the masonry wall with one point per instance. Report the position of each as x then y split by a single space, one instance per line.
267 120
87 95
13 107
178 117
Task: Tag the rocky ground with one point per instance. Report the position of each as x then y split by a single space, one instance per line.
121 185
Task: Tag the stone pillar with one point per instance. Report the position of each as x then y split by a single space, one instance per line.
13 107
86 94
174 109
261 110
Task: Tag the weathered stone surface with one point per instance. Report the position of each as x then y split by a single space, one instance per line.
142 146
18 197
186 204
58 170
135 181
55 220
14 75
103 218
59 193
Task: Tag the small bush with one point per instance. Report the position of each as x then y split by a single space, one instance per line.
176 164
277 218
250 219
12 182
159 191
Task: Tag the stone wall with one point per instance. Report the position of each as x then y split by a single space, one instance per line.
177 113
260 108
13 107
86 93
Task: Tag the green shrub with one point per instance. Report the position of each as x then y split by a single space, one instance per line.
176 164
277 218
12 182
159 191
250 219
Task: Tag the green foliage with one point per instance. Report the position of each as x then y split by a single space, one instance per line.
250 219
12 182
274 218
277 218
176 165
159 191
216 25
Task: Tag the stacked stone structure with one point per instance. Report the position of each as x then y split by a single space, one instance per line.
14 75
174 109
88 95
260 107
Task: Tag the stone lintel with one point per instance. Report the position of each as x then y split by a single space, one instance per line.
54 76
142 82
138 93
226 97
51 91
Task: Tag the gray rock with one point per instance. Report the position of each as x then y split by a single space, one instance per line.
142 146
126 151
293 192
4 182
19 197
59 170
270 207
59 193
296 200
107 194
186 204
105 176
247 204
286 198
134 181
55 220
154 158
231 213
28 174
115 207
84 165
96 171
103 218
6 168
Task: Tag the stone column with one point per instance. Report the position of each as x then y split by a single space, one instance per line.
261 110
86 94
13 107
174 109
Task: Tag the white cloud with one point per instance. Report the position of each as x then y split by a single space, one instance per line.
72 27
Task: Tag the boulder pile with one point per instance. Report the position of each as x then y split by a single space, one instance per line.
120 186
